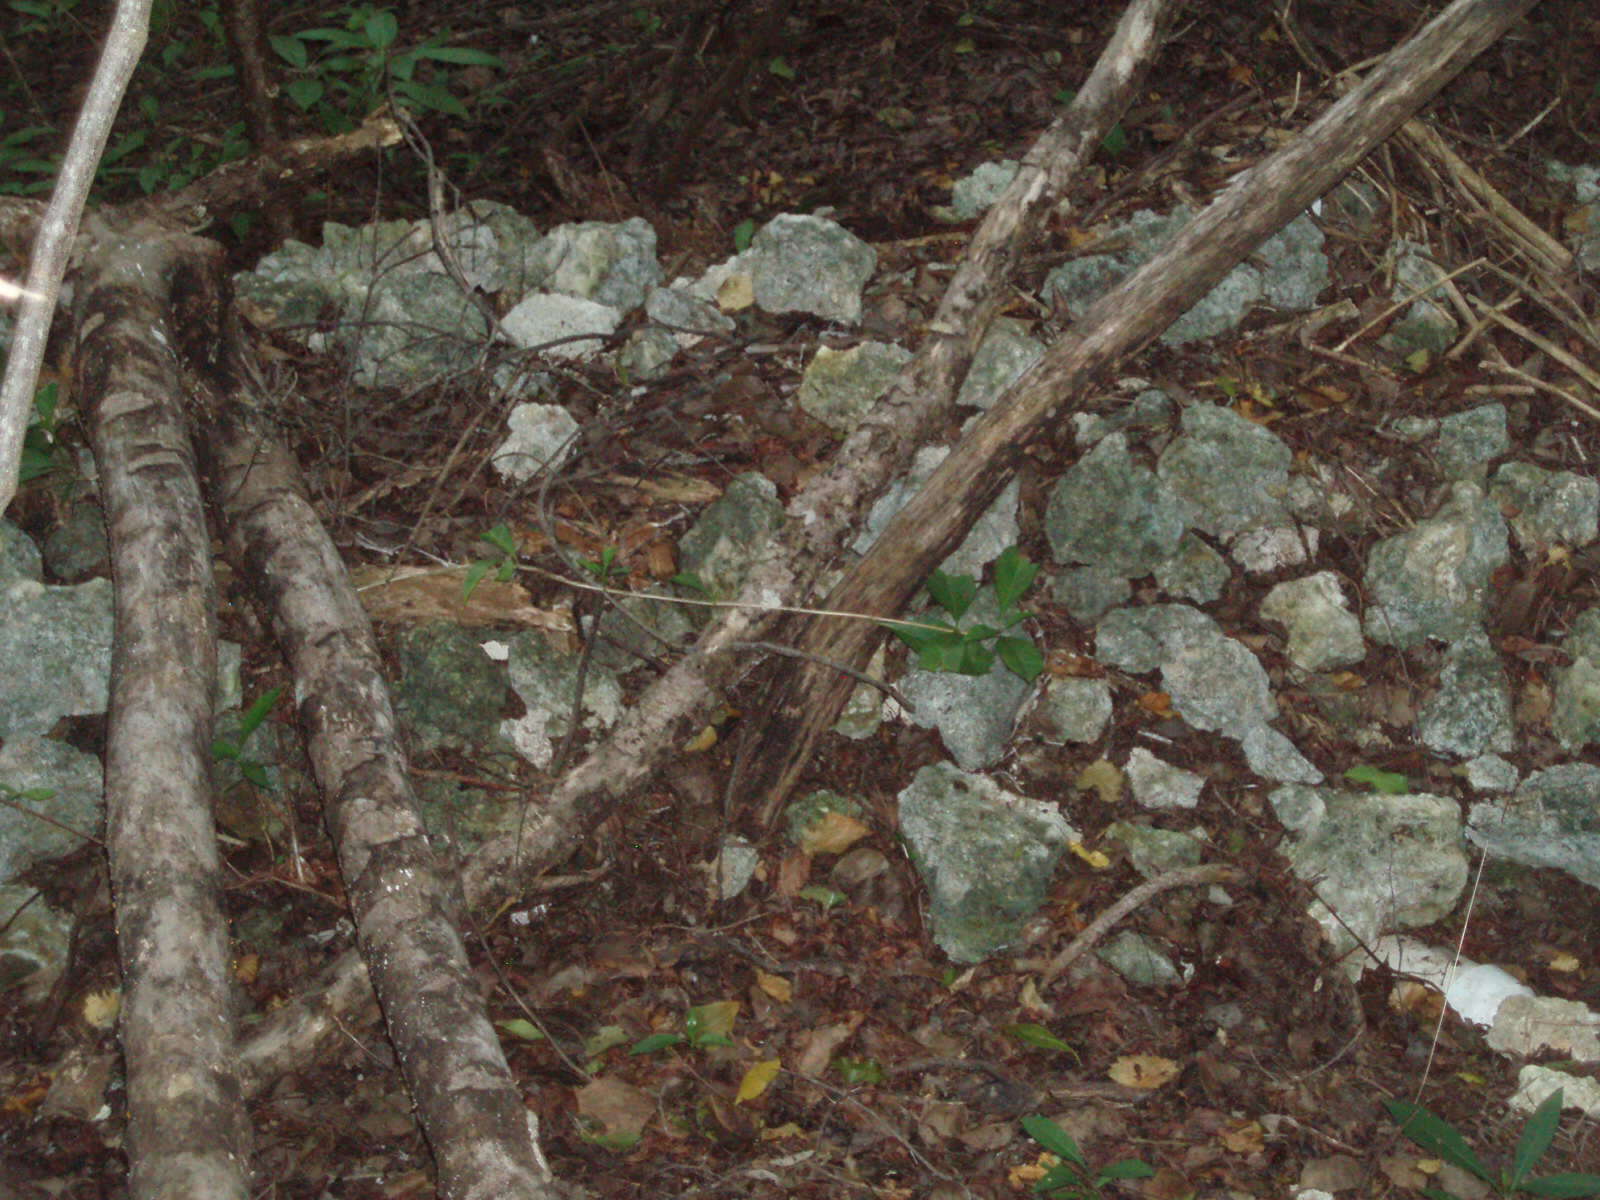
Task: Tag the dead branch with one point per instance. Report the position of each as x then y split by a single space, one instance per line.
1253 207
819 519
188 1134
130 23
483 1138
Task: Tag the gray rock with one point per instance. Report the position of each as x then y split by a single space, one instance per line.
560 325
1427 325
613 265
1376 862
985 854
736 866
1142 639
1552 820
1232 473
1547 508
809 264
19 557
539 434
1274 548
546 680
974 714
1007 351
990 534
1140 959
77 548
1575 717
55 658
56 823
1153 852
1273 756
1490 773
1323 633
1470 713
981 187
1149 409
1195 572
1075 710
1088 593
724 542
1469 439
645 355
688 316
839 386
449 693
1108 511
1158 784
1431 581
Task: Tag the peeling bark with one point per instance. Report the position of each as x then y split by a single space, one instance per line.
187 1130
482 1135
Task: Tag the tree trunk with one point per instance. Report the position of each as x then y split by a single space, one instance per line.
187 1130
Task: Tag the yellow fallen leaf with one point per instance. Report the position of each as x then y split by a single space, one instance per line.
1103 778
100 1008
776 986
832 833
756 1079
1144 1071
1094 858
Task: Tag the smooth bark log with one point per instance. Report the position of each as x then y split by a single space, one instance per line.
483 1136
1253 207
187 1130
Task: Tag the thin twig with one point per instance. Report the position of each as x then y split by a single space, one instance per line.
1101 925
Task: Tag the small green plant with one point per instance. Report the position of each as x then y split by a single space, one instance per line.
232 749
343 74
1072 1177
41 452
1387 782
1441 1139
703 1026
24 169
972 651
504 565
604 567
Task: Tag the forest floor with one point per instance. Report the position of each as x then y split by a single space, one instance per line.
913 1075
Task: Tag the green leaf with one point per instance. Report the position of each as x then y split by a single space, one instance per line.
742 233
475 574
1563 1185
291 49
521 1027
953 593
380 29
1013 575
1536 1137
920 638
304 92
255 774
257 712
826 897
655 1042
432 97
1021 657
780 67
224 751
1115 142
1037 1035
1054 1139
1125 1168
688 579
859 1070
1063 1178
1436 1136
459 56
501 538
1379 780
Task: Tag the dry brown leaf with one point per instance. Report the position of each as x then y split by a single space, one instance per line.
1157 704
1243 1137
1144 1071
832 833
1102 777
776 986
822 1042
617 1107
416 595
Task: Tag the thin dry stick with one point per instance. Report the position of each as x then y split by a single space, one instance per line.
1101 925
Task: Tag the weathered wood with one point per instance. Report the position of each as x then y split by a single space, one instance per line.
827 511
484 1139
187 1130
1253 207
